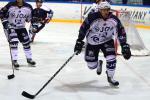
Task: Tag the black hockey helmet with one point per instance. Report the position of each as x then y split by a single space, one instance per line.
41 1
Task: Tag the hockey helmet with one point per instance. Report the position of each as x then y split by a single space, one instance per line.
41 1
104 5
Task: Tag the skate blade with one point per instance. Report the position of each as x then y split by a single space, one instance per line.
113 86
30 65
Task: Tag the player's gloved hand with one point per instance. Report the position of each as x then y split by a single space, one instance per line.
6 25
50 14
34 28
126 52
78 46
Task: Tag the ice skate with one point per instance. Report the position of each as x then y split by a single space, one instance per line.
112 81
15 64
99 67
31 62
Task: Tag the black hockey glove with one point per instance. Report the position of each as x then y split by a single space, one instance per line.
36 28
126 51
78 46
6 25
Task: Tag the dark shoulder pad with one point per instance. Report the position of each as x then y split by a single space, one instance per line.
28 5
114 17
8 5
94 16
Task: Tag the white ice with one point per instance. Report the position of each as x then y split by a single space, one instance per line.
52 47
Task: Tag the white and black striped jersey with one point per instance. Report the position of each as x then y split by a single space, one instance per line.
17 16
99 30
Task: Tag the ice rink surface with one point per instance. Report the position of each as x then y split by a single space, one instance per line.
52 47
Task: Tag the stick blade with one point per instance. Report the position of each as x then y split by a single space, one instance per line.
25 94
10 76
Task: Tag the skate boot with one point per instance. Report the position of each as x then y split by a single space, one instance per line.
112 81
99 67
31 62
15 64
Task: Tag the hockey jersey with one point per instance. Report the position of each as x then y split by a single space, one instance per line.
98 30
17 16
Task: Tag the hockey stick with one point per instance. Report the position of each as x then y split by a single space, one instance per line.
12 75
25 94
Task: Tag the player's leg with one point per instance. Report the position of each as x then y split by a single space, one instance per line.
24 39
12 38
13 44
34 29
91 56
32 33
110 55
99 67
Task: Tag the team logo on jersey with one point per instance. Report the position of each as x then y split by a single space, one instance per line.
95 38
100 31
100 26
20 15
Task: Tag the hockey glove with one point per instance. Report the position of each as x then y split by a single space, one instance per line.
6 25
126 51
34 28
78 46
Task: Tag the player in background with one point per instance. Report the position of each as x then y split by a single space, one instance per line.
94 7
14 15
99 29
39 18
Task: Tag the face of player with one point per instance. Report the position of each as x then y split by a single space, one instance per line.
105 12
38 4
19 2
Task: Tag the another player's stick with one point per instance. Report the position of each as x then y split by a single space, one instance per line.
12 75
25 94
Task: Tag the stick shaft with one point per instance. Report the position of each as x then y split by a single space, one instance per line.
55 74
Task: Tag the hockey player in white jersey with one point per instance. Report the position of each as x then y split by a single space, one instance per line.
40 17
15 15
95 7
99 29
92 9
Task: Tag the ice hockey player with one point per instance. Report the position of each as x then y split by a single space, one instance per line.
40 17
93 8
99 29
14 15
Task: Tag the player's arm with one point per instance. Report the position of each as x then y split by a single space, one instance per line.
29 17
4 10
122 37
84 28
4 15
82 33
49 16
121 33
